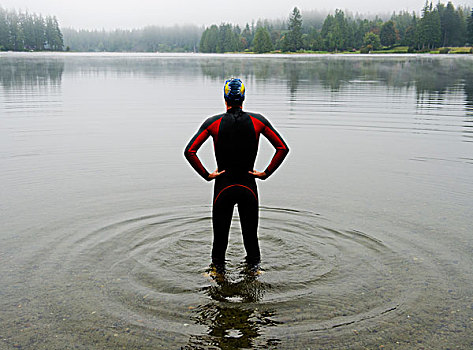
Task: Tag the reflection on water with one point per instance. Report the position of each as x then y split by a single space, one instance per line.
234 319
27 72
427 74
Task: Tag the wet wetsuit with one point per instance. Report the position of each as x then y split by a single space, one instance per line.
236 136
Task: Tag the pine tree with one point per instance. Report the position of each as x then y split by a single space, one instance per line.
247 36
450 22
16 37
39 32
293 39
262 41
4 35
429 29
388 34
335 32
470 29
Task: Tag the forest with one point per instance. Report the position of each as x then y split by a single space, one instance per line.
437 26
29 32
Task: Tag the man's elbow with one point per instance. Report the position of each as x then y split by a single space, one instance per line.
285 150
187 153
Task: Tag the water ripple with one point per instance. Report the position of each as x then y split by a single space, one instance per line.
150 272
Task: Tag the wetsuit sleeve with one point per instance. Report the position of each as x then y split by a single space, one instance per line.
191 150
278 143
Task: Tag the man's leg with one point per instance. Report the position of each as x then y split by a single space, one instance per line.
248 211
222 213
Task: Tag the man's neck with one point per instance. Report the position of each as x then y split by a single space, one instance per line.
233 108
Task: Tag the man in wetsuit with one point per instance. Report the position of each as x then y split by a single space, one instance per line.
236 135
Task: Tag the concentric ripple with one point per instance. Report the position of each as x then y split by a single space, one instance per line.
149 271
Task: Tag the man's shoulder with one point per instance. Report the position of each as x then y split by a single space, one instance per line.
258 116
212 119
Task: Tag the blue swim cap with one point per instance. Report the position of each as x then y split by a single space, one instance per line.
234 91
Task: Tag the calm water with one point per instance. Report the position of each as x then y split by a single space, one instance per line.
365 230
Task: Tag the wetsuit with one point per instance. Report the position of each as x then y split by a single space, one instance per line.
236 136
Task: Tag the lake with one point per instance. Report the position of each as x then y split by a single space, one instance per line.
365 230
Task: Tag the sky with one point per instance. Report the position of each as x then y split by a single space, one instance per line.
127 14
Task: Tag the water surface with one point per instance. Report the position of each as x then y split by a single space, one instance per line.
365 230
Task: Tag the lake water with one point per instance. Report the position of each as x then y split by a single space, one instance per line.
365 230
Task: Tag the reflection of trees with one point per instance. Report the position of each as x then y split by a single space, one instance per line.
19 72
468 87
429 75
432 77
233 325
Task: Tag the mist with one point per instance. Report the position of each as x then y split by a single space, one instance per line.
108 14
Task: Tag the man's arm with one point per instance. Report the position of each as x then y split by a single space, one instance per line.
278 143
191 151
207 128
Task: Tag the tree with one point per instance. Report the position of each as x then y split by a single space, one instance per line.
4 33
450 24
429 29
209 39
388 34
371 40
335 32
402 20
293 39
262 41
470 28
247 36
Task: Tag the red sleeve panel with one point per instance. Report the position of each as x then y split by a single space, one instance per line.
209 128
262 125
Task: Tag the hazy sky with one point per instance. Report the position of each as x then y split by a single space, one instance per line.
111 14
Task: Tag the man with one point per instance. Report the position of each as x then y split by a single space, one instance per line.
236 135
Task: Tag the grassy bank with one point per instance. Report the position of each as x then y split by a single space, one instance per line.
393 50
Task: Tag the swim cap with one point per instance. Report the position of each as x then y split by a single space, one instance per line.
234 91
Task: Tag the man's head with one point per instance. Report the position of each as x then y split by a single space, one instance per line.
234 92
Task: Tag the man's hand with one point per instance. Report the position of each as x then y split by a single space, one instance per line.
258 174
215 174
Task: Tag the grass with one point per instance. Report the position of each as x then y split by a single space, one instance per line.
393 50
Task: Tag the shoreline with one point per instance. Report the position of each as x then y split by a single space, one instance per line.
398 51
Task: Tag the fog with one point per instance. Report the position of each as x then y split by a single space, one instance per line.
110 14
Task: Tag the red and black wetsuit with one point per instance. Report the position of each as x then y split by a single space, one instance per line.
236 136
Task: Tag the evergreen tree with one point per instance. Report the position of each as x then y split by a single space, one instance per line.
450 22
4 30
361 27
403 20
315 41
262 42
429 29
388 34
39 32
247 36
209 39
335 32
293 39
17 38
470 29
410 38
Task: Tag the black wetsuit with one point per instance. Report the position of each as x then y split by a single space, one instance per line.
236 136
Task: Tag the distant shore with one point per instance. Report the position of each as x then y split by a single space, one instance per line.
396 50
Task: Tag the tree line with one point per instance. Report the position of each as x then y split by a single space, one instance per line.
148 39
438 26
22 31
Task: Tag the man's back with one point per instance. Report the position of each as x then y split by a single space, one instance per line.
236 136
